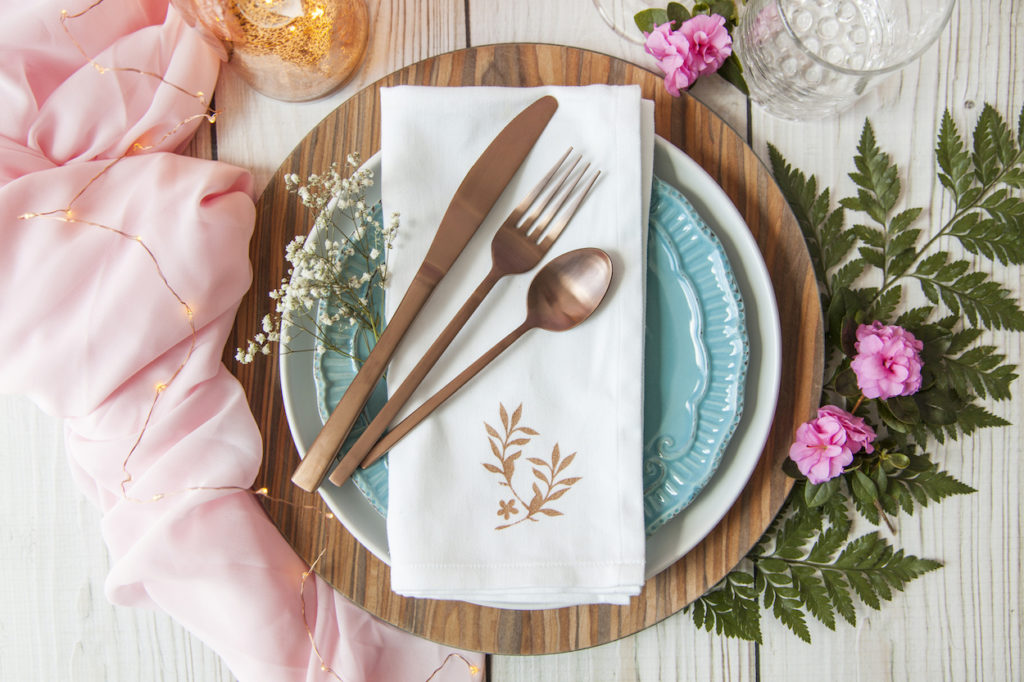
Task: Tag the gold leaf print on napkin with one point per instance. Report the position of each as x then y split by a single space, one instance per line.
507 448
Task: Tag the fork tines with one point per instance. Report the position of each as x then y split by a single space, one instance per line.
534 225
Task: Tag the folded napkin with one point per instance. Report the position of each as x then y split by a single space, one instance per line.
89 329
524 489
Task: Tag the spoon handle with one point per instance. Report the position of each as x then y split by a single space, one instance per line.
420 413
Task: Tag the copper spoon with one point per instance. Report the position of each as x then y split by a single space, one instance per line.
563 294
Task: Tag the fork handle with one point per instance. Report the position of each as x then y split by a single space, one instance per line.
401 395
314 466
423 411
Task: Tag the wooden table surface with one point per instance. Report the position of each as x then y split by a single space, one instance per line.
963 622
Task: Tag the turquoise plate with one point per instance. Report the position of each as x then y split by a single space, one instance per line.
695 361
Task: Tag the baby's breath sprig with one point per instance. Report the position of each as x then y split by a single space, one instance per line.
336 278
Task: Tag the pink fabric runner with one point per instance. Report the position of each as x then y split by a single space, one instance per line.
90 329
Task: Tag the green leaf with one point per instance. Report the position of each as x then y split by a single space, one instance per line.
977 371
730 608
649 18
873 257
839 593
886 304
732 71
1003 205
929 485
845 276
994 239
865 493
1020 127
677 14
871 236
794 535
980 299
813 594
829 542
837 242
902 220
876 177
994 147
972 417
915 317
801 194
724 8
817 495
953 159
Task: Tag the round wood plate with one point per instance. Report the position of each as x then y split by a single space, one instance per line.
355 127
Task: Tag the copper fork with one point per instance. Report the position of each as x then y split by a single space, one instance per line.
518 246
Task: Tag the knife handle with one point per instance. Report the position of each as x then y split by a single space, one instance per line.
314 466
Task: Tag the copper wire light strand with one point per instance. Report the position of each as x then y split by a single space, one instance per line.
65 15
309 631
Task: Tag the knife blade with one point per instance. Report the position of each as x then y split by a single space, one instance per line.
472 201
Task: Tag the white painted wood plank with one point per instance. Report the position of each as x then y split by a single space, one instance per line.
965 620
55 621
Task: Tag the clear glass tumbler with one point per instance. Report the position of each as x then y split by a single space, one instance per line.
807 59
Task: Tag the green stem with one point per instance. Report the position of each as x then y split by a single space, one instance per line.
810 564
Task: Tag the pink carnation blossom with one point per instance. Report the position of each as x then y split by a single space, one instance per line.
888 361
710 42
827 443
698 47
858 433
672 50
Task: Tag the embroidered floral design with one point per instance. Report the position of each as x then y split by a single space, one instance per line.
507 509
507 448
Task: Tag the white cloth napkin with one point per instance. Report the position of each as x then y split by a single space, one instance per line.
570 402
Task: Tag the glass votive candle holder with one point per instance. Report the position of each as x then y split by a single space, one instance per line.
291 50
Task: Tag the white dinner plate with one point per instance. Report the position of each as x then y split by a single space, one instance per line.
682 533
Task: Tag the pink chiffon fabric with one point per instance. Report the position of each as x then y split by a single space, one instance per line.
90 328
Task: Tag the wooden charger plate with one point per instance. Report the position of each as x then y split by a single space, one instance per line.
355 572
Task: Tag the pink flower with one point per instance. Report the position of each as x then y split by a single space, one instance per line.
698 47
827 443
672 50
822 448
710 42
888 361
858 433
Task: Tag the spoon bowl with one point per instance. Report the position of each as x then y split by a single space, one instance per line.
568 289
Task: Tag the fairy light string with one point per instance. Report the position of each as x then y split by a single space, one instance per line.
67 214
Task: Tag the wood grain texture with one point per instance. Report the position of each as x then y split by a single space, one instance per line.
706 138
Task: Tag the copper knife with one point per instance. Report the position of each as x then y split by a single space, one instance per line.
473 200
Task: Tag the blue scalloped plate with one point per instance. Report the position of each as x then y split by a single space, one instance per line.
695 361
695 356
